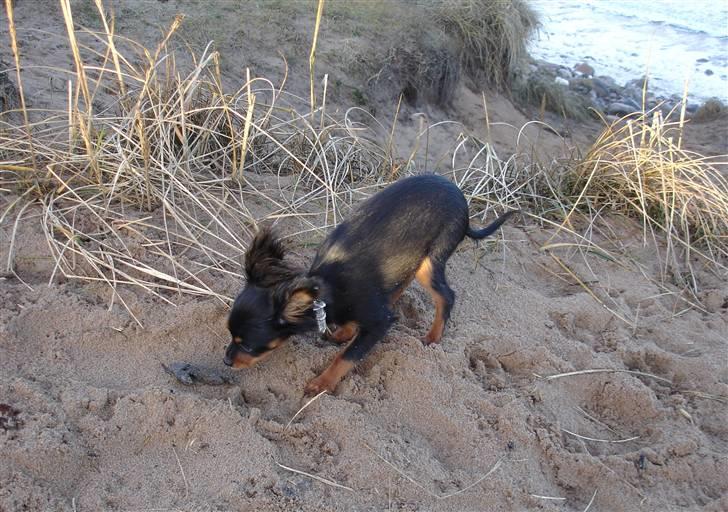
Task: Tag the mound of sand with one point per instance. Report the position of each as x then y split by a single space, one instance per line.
90 418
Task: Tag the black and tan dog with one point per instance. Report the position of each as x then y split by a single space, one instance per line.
407 231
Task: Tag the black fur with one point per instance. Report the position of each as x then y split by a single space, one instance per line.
361 266
264 263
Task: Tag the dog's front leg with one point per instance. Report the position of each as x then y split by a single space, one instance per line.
331 376
345 361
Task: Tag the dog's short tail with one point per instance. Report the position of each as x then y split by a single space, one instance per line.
478 234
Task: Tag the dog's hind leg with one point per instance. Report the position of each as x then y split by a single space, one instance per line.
397 293
431 275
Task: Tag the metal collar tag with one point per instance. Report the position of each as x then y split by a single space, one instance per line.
319 308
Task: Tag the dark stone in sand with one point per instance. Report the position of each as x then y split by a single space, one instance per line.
9 419
189 374
702 60
632 92
620 109
581 85
632 103
604 86
608 82
549 67
708 72
584 68
564 73
637 83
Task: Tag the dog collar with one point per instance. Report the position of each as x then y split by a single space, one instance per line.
319 309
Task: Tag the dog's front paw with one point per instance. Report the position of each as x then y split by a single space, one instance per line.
319 384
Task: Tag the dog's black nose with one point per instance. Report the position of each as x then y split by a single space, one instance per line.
227 361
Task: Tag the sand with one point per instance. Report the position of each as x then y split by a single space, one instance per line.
97 424
90 420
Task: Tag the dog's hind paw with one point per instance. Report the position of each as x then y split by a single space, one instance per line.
430 340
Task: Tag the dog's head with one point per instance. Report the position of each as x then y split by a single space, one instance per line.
276 303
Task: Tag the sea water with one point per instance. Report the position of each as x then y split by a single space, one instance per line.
672 41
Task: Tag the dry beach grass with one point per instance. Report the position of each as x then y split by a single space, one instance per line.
593 352
176 140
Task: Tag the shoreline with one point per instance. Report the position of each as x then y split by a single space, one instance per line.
602 92
668 41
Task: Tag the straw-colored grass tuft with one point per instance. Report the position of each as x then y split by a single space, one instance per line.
539 89
711 110
638 167
433 46
491 35
152 190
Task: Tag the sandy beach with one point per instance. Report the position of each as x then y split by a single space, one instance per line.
569 378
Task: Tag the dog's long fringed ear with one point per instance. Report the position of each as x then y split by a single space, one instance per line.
295 302
264 265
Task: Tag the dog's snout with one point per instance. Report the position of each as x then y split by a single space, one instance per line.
227 360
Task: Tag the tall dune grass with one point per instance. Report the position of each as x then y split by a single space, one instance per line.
426 49
151 191
492 35
154 189
638 168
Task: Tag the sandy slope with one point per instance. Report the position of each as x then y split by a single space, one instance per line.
89 420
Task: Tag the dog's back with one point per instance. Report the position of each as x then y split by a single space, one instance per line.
387 238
